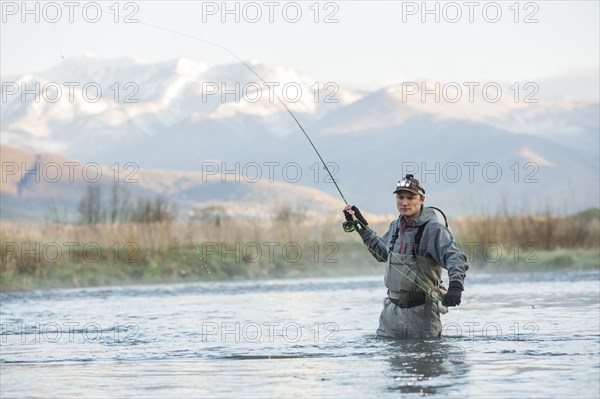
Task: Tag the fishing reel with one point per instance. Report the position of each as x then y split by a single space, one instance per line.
351 224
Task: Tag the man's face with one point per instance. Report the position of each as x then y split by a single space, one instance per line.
408 204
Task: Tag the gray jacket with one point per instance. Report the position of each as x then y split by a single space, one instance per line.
436 242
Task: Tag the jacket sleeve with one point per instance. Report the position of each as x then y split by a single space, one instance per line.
378 246
443 249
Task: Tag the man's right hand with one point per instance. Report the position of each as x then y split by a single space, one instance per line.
359 216
348 210
351 211
350 224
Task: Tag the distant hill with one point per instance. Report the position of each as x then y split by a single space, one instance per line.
37 186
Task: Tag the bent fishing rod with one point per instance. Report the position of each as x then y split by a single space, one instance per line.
194 37
421 284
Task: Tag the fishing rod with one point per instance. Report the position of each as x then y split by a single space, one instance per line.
424 287
262 80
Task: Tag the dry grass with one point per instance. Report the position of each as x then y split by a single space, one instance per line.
166 251
548 232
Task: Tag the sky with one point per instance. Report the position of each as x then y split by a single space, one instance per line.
362 44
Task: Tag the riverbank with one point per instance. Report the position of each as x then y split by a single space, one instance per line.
189 264
51 255
102 266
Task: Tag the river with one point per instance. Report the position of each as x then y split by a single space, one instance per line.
525 335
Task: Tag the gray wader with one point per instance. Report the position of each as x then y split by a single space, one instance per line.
408 312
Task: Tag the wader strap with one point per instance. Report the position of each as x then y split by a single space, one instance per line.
417 238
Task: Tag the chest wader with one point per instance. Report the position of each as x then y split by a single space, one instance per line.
409 312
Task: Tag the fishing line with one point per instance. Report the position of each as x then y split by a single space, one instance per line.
60 47
425 288
429 291
200 252
435 295
261 79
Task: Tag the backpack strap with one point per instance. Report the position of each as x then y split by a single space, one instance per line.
418 237
417 242
394 237
443 214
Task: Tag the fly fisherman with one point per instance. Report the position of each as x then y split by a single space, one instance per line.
416 248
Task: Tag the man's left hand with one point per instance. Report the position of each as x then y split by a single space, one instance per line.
452 297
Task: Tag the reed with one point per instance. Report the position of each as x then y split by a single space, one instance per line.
46 254
547 230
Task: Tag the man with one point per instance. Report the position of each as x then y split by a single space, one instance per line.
417 246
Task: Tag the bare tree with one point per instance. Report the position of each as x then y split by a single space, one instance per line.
159 210
90 206
119 206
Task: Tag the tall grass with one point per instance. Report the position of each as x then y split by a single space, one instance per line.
178 251
547 231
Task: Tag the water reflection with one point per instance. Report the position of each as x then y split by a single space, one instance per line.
425 367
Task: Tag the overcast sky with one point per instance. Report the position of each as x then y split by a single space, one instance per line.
362 44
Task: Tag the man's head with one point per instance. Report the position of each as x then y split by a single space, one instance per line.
410 196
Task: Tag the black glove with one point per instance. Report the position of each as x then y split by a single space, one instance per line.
350 224
452 297
359 216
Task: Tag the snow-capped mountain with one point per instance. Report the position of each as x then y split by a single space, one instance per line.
471 151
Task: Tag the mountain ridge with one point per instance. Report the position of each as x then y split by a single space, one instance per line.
179 122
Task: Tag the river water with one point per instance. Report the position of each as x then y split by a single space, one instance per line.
526 335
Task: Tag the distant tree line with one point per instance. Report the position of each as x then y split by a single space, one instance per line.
119 207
